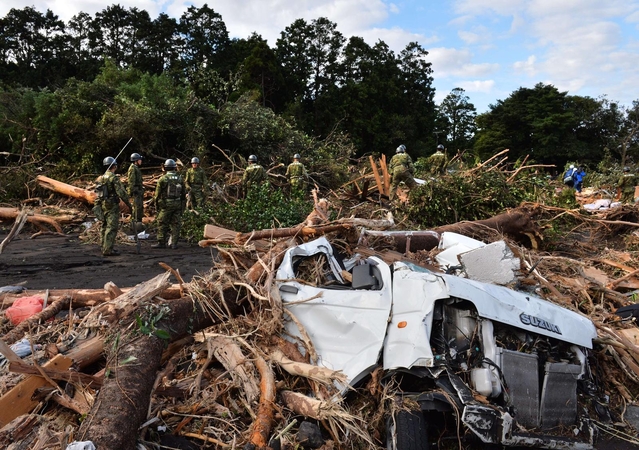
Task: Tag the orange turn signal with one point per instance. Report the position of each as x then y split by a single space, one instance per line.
402 324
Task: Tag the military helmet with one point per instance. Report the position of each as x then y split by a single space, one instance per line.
297 156
135 157
440 147
401 149
195 160
109 161
252 158
170 164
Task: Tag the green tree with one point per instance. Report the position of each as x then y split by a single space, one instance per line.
458 116
204 36
540 122
31 45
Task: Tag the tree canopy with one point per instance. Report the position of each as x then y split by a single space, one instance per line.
73 91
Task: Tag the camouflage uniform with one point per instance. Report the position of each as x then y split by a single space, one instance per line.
254 175
296 174
135 189
401 169
627 184
110 205
170 201
195 181
436 163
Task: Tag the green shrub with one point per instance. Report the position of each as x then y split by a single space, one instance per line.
264 207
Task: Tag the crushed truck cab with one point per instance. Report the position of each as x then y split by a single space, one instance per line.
508 362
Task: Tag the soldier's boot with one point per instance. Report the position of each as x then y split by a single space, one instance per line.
160 244
111 252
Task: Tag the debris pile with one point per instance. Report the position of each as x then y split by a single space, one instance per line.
209 364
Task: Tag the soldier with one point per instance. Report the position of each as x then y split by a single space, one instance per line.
170 201
627 184
401 169
135 189
110 190
195 181
297 175
437 161
254 175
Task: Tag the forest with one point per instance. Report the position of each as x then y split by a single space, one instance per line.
72 93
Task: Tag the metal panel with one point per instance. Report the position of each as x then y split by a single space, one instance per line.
559 395
521 371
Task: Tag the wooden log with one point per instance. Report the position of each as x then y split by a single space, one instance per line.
83 297
274 258
13 213
240 368
265 410
122 403
66 189
301 230
303 405
321 374
124 305
85 195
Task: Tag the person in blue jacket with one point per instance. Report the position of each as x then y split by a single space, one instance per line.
579 176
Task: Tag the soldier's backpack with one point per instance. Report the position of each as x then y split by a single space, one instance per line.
101 190
174 188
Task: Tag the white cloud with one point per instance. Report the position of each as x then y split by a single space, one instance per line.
479 7
484 86
396 38
528 66
449 62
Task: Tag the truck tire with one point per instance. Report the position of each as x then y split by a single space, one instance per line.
407 430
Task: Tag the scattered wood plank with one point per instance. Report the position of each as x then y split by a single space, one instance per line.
19 401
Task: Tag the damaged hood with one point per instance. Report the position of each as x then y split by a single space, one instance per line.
518 309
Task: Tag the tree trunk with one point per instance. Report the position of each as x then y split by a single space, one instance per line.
122 404
72 191
66 189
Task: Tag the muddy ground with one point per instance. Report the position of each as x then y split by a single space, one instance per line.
59 262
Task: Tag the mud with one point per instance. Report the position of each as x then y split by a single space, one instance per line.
59 262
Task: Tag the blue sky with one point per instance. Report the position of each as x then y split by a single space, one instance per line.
487 47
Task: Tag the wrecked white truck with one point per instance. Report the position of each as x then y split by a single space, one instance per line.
508 366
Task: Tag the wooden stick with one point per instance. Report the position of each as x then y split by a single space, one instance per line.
386 175
69 376
265 410
378 180
475 169
15 229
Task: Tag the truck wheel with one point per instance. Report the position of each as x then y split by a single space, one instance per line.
407 430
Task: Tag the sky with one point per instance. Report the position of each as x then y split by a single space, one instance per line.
489 48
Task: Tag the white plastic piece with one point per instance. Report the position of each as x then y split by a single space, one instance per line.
481 380
81 445
491 352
